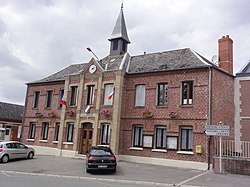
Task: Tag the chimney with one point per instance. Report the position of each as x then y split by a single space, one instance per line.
226 54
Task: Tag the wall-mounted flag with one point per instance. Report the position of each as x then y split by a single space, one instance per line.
87 109
62 100
111 94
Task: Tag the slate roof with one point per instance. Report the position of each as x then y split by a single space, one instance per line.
167 61
154 62
120 30
59 76
11 112
245 71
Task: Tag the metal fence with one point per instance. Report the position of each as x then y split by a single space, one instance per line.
232 148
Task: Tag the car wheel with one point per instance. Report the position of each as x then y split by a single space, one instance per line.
5 159
114 170
31 155
87 171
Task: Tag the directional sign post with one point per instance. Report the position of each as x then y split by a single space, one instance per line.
217 130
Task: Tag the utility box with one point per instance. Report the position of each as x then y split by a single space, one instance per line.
198 149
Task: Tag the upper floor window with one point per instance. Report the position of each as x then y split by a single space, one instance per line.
90 94
160 138
137 136
140 95
162 95
61 98
187 93
45 130
109 91
70 131
32 130
73 96
105 134
186 138
48 99
36 99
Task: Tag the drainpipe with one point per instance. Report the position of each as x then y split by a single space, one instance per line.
209 115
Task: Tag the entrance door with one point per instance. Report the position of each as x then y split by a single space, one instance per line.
87 132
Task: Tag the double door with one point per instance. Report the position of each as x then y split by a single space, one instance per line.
87 133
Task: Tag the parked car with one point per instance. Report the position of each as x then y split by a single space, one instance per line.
13 150
100 158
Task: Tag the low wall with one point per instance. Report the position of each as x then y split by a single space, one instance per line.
232 165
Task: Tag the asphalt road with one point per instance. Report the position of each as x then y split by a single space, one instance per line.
54 171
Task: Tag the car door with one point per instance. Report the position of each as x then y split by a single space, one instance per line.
11 151
21 150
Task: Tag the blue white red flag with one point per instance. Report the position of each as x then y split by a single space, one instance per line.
62 100
111 95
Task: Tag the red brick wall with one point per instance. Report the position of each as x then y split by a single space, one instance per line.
30 113
223 100
195 115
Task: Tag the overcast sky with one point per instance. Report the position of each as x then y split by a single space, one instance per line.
41 37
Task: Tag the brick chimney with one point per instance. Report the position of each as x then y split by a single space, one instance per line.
226 54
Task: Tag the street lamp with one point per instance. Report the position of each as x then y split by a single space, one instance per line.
88 48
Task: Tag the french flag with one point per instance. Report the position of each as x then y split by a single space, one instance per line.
111 94
62 100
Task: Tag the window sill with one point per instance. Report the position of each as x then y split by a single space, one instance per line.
185 152
187 106
55 142
43 141
67 143
30 140
159 150
136 148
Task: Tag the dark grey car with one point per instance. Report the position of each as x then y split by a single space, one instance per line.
14 150
100 158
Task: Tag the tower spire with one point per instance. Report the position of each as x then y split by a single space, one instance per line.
119 37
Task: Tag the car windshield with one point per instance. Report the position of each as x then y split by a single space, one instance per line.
1 145
100 152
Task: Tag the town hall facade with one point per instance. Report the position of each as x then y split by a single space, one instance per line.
147 108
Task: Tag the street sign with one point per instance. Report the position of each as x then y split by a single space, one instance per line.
217 130
216 127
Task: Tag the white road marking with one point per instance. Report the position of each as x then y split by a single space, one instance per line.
185 181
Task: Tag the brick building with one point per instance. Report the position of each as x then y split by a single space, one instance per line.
11 116
148 108
242 103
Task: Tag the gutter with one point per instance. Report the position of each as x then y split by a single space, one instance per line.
209 114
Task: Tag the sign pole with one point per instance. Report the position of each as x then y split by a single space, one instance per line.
220 155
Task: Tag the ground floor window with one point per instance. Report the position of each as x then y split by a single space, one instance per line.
160 138
137 136
32 130
105 134
45 129
70 131
186 139
57 127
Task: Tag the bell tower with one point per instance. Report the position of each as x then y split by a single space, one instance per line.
119 37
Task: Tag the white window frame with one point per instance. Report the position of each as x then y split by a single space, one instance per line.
45 130
137 136
70 132
160 137
90 95
105 134
140 95
185 138
32 130
108 88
